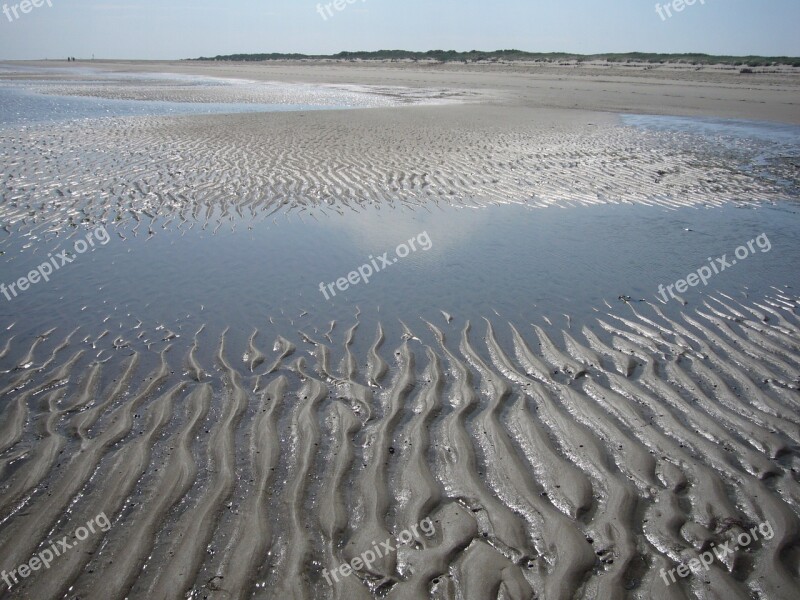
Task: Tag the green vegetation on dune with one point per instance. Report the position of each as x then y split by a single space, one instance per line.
444 56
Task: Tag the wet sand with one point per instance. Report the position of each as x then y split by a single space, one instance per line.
770 94
572 463
559 456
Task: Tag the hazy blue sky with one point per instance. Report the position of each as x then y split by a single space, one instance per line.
170 29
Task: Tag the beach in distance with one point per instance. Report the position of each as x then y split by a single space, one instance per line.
338 328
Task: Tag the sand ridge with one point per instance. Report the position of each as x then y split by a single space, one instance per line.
203 171
589 460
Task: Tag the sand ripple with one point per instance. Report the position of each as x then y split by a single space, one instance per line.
178 173
555 464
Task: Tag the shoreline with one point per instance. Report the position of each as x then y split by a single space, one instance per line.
707 92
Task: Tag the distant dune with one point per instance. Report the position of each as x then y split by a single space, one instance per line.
519 55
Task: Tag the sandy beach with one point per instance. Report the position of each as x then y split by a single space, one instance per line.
769 94
247 437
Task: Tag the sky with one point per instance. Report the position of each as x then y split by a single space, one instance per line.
175 29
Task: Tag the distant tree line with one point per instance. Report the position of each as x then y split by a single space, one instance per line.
445 56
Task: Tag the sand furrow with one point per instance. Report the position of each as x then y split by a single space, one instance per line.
333 513
41 457
23 533
137 541
586 462
247 549
460 462
372 492
562 544
420 492
566 485
198 523
127 465
376 366
293 581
